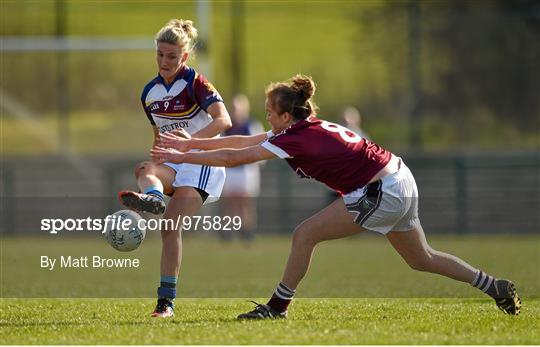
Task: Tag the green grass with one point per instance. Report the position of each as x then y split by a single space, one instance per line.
311 321
358 291
363 266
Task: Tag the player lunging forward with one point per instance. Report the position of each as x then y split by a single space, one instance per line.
178 98
378 191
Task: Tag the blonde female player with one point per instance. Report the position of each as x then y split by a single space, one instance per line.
378 191
178 98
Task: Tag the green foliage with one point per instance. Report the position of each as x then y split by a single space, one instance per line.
477 62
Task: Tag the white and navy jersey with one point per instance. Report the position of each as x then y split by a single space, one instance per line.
180 105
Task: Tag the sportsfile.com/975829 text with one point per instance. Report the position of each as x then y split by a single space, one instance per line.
190 223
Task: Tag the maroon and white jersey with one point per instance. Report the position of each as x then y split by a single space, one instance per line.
329 153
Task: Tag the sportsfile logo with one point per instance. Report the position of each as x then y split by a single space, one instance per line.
55 225
112 222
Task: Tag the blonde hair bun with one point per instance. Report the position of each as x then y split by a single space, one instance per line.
178 32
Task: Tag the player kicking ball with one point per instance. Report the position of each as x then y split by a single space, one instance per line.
178 97
378 191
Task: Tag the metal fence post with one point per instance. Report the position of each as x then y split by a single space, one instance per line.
110 185
62 82
462 195
284 199
7 205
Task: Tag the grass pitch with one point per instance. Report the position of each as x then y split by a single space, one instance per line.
365 266
311 321
358 291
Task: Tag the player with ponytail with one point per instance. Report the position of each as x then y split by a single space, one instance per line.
378 191
177 101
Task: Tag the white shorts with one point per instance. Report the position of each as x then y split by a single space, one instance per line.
207 178
242 181
389 204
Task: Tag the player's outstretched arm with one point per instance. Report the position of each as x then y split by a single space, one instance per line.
180 141
221 157
156 135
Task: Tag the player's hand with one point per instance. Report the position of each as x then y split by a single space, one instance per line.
160 155
170 140
181 133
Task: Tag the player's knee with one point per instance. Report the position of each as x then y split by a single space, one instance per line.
302 237
416 265
421 263
143 168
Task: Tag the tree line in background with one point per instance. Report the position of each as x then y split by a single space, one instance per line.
477 73
494 48
462 73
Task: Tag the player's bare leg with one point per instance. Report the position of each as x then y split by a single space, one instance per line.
243 206
153 180
148 174
247 211
333 222
186 201
414 249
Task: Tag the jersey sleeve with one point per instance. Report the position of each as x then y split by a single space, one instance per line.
146 108
204 92
285 145
148 113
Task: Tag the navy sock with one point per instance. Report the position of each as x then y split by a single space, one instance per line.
485 283
154 191
167 288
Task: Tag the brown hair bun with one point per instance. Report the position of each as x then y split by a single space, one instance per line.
303 85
